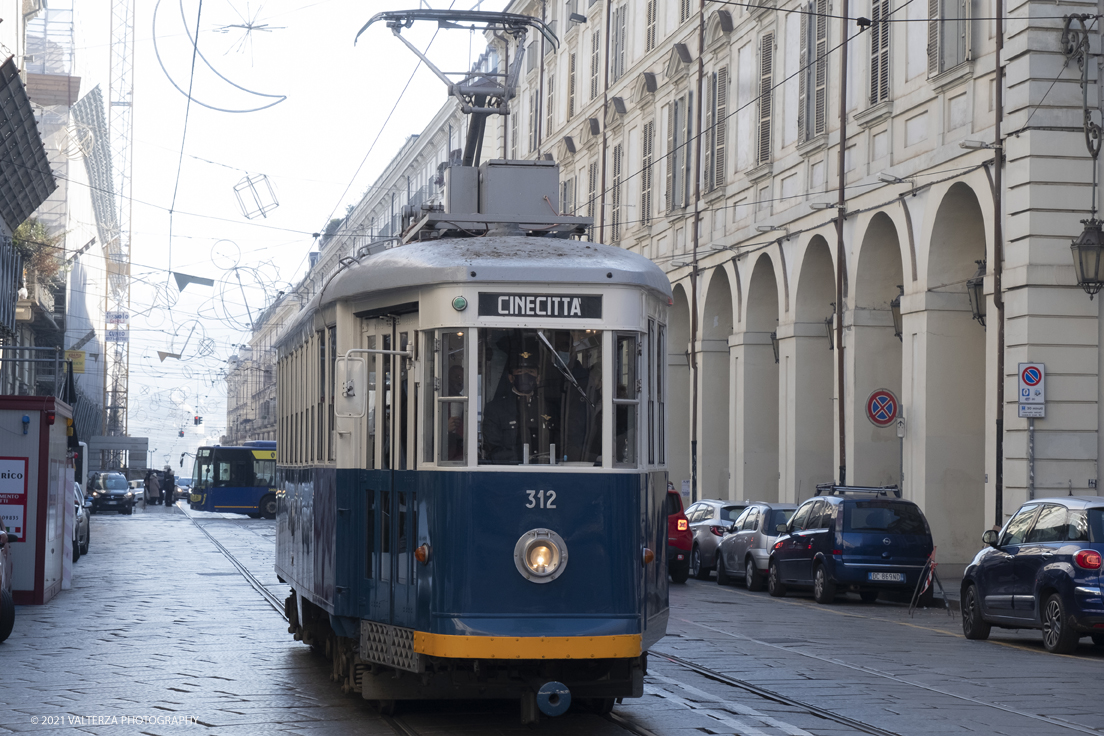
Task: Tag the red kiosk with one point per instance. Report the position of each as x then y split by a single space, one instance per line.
36 497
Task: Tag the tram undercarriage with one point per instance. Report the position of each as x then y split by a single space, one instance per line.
541 686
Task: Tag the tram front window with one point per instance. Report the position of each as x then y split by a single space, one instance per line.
202 471
541 397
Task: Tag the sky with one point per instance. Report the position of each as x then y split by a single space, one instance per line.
320 148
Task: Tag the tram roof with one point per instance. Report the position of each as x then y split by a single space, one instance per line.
494 259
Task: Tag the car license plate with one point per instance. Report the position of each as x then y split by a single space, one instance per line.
887 577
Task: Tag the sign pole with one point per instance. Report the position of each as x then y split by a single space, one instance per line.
901 443
1031 458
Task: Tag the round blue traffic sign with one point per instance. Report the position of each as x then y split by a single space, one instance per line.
1031 376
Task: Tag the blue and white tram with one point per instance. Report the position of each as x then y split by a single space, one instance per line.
478 501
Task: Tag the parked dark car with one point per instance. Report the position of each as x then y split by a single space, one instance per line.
679 538
745 550
82 535
111 492
1042 571
709 520
867 540
7 603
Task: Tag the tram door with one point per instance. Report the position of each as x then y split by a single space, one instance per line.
390 497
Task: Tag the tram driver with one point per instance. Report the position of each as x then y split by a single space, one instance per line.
519 417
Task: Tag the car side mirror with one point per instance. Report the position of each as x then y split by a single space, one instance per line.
781 528
990 537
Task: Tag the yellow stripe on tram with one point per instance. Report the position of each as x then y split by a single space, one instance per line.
527 647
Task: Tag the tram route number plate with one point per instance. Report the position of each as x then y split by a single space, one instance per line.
888 577
556 306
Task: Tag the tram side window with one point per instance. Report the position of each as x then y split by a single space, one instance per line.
453 400
625 401
265 473
651 392
431 390
540 397
660 363
370 359
330 395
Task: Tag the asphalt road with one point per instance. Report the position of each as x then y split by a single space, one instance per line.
162 631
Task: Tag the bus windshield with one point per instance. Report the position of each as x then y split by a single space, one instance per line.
201 471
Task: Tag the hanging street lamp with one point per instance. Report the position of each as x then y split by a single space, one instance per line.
829 326
895 310
774 345
1088 251
975 289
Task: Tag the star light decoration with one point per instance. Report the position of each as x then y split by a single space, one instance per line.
250 23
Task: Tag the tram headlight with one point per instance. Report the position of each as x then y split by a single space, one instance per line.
540 555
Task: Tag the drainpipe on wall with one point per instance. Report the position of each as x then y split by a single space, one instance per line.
839 253
998 262
694 236
538 108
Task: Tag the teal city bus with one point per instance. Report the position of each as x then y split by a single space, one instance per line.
237 480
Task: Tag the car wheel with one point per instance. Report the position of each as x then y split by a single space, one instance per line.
973 625
824 590
680 575
76 550
1058 636
753 579
868 596
1098 640
268 506
7 614
722 574
696 565
774 582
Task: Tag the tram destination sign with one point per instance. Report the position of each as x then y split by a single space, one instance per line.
557 306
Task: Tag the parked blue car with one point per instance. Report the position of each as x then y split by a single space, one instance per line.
1042 571
864 539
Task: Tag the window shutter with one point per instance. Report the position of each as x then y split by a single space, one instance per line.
592 187
595 59
933 38
688 153
879 52
711 143
549 114
766 77
571 86
721 126
515 113
646 173
615 193
820 109
671 163
650 26
802 77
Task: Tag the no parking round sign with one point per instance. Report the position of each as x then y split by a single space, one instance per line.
882 408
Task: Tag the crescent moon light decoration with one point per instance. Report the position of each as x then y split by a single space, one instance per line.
276 99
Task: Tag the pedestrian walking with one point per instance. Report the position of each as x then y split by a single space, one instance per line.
170 487
154 488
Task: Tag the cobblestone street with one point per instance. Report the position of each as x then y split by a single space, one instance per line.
161 632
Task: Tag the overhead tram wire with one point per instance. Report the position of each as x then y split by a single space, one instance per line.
812 13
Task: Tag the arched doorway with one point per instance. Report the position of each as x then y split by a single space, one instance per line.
951 433
678 388
811 405
874 360
714 479
757 410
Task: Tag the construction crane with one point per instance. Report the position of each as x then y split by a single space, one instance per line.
117 297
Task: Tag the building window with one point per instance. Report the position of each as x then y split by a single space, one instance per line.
595 63
615 193
766 83
532 121
813 80
948 34
567 196
550 102
515 113
650 26
647 146
679 131
879 52
617 57
571 85
717 127
592 188
531 57
684 10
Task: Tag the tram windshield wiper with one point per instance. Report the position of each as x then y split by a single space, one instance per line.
563 369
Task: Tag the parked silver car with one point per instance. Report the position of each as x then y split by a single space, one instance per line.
82 529
709 520
745 550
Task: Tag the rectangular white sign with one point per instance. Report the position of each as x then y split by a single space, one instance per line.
118 336
13 496
117 318
1033 411
1032 382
